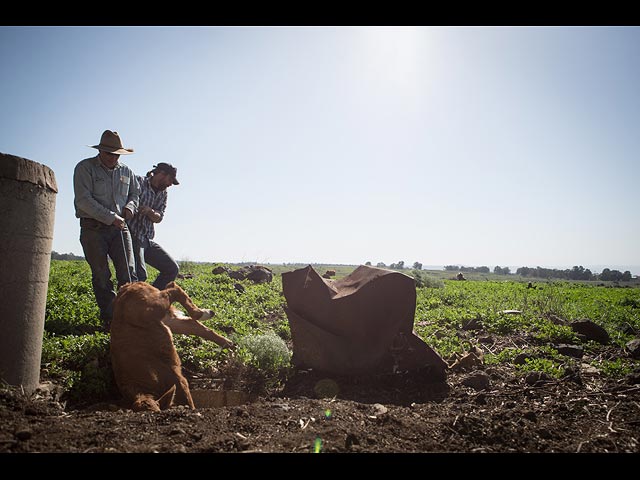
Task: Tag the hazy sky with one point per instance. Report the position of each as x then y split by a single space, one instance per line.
469 145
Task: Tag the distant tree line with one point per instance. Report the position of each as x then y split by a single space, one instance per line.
575 273
64 256
397 266
462 268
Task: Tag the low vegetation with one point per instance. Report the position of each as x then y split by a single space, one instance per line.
506 318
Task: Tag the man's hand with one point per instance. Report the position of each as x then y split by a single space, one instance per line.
119 222
128 214
145 210
150 213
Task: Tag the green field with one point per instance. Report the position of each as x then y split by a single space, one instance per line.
76 351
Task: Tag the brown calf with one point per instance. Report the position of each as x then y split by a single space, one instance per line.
145 363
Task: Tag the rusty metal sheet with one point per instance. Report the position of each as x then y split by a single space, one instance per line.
360 324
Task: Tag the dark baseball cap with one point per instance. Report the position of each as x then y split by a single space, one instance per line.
167 168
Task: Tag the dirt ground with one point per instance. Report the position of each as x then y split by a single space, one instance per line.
484 409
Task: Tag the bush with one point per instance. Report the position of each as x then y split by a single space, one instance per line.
267 352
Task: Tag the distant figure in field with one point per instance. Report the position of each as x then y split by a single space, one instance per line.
106 196
460 276
153 203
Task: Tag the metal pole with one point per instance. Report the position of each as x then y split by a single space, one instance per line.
124 250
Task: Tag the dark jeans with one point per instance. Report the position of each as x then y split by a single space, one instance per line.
148 251
99 241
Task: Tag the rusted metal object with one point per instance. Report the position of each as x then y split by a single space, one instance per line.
360 324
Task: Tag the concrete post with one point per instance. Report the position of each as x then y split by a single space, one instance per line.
28 197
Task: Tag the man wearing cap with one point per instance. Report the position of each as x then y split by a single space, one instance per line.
153 203
106 196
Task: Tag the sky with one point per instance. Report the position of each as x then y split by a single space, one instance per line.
509 146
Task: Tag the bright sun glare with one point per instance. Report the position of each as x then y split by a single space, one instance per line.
391 57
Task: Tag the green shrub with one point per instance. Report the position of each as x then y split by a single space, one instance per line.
267 352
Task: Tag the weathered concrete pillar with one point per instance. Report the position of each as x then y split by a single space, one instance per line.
28 199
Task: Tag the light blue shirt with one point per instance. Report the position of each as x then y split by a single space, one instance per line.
101 193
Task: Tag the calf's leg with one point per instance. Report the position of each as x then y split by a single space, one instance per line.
190 325
177 294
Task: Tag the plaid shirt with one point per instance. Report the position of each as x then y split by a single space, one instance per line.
140 225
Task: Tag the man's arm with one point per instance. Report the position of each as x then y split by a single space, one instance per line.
133 199
155 216
151 214
163 207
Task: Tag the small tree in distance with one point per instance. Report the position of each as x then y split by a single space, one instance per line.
502 271
397 266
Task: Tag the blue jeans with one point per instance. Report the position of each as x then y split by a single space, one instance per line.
99 241
148 251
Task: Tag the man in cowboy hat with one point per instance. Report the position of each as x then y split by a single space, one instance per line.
153 203
106 196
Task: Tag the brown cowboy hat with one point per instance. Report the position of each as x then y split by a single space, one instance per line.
110 142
